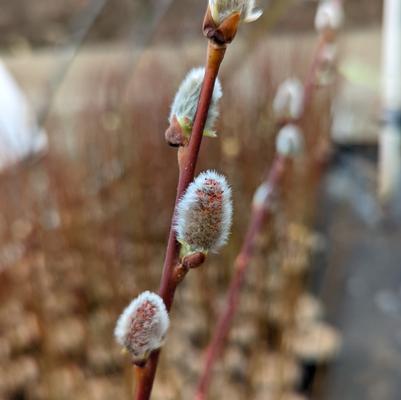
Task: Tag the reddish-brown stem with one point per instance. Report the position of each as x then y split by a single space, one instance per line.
187 162
258 217
188 156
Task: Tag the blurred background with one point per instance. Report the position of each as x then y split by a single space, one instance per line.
87 188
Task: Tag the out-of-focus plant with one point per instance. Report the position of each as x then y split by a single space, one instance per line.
289 105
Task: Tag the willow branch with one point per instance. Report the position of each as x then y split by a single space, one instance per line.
188 156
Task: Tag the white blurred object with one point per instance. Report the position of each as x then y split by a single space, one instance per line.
20 135
289 141
390 138
289 99
329 15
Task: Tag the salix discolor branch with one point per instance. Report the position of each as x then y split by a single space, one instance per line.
291 100
203 211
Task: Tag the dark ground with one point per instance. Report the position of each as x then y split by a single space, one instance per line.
362 283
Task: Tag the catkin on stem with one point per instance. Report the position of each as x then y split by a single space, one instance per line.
289 99
329 15
204 214
289 141
186 101
142 326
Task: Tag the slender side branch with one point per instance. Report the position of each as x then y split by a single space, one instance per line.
259 214
258 217
187 156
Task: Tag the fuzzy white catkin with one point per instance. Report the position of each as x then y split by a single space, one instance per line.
262 194
289 99
222 9
204 213
289 141
186 99
329 15
143 325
